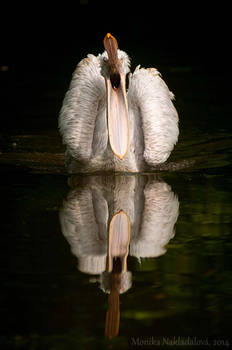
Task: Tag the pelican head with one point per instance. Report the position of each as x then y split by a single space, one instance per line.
115 66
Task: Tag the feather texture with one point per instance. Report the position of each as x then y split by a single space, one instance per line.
151 206
153 120
150 98
83 106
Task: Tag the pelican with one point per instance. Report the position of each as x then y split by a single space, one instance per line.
105 127
104 217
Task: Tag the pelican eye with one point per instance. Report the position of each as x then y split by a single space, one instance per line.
115 80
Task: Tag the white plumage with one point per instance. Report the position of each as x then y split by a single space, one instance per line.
86 115
151 206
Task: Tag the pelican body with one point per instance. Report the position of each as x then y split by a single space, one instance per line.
105 127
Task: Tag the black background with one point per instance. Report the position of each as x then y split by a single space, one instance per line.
42 35
41 43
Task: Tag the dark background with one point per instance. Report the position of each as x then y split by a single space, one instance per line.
41 36
44 299
42 43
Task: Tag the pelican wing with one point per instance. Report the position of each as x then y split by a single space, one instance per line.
86 235
161 210
80 119
150 99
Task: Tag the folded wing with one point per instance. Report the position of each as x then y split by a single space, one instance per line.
150 98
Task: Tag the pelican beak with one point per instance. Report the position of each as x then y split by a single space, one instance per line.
117 106
119 240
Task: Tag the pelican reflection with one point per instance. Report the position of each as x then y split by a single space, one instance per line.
107 218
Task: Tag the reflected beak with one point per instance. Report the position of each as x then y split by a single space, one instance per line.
117 106
119 240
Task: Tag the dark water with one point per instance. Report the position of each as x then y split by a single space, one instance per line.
54 299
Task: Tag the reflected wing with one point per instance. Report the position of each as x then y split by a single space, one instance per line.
150 98
81 115
87 239
161 210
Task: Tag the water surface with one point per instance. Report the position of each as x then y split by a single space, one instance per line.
174 276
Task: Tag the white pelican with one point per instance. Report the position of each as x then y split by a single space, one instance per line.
102 211
108 128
